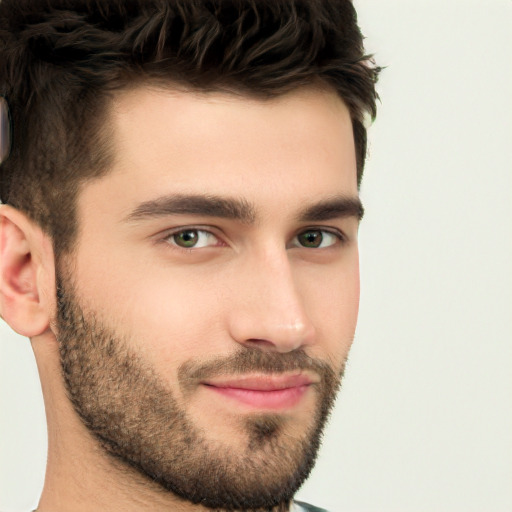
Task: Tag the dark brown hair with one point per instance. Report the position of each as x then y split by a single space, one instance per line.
61 60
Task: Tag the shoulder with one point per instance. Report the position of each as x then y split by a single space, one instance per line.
300 506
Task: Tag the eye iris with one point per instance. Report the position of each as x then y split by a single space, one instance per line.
186 238
311 238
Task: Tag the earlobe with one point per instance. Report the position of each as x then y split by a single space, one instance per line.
20 261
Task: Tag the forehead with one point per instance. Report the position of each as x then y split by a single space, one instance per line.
179 142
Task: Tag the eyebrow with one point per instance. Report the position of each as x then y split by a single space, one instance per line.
333 208
238 209
203 205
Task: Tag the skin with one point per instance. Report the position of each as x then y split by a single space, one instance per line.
249 284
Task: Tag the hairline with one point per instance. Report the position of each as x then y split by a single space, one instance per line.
105 129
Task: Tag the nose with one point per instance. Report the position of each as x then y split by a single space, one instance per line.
269 310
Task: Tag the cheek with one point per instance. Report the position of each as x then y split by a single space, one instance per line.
333 306
173 314
176 319
166 314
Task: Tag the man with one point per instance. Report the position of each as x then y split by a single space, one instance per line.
179 240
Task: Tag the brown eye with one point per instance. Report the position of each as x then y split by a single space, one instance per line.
311 239
191 238
186 239
317 239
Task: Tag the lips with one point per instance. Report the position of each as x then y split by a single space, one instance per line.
262 391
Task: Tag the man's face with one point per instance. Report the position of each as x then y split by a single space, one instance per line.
207 312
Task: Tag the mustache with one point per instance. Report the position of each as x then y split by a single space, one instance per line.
254 360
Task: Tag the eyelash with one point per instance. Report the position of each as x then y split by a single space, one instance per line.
340 236
169 237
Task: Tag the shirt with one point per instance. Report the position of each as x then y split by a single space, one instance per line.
299 506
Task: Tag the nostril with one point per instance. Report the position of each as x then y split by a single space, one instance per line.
255 342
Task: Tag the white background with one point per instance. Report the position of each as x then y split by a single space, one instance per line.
424 420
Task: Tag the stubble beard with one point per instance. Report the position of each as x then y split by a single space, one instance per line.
137 420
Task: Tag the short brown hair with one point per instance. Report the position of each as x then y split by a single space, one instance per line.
60 60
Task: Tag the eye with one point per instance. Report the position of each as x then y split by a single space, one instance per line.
317 239
192 238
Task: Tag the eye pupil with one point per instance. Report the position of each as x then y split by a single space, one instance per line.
186 238
311 238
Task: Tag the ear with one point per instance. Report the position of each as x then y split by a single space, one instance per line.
25 276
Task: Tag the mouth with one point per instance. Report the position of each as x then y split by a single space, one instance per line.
269 392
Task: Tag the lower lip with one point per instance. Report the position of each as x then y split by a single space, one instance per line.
272 399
